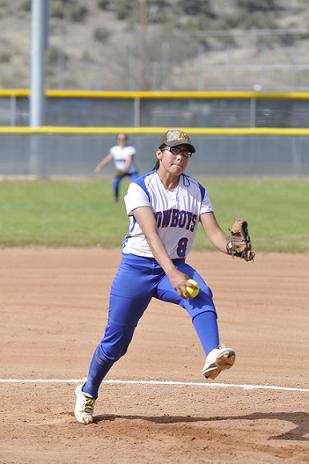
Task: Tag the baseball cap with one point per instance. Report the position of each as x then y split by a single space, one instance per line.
175 137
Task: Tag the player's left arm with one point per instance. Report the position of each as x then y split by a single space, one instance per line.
214 232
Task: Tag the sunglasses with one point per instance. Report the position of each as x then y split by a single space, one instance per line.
178 151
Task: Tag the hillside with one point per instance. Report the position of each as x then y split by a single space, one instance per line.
161 45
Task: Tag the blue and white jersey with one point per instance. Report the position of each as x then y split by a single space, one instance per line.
121 154
177 213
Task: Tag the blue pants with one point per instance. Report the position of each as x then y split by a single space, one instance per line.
118 179
137 281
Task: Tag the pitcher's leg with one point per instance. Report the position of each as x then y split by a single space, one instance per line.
201 303
206 327
204 318
113 345
123 317
98 369
201 309
131 291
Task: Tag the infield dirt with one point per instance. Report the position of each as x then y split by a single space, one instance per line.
53 311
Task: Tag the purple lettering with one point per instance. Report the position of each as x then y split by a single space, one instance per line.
194 217
166 217
189 220
158 217
175 215
182 218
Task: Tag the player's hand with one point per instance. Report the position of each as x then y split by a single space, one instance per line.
179 282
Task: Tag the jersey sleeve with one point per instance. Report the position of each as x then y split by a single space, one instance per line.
206 206
131 150
136 197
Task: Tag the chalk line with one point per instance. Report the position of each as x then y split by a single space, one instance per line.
164 383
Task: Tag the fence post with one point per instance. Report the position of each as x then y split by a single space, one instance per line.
13 110
252 112
137 112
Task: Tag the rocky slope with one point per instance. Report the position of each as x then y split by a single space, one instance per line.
161 44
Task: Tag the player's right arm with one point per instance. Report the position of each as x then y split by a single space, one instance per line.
103 162
146 220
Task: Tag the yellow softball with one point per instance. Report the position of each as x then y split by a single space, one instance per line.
194 290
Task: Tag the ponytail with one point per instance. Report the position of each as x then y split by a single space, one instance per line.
157 165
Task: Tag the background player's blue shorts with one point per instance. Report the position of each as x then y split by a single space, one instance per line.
117 179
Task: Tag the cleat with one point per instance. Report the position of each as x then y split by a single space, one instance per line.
84 406
218 360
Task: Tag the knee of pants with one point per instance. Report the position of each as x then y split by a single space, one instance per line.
114 353
116 341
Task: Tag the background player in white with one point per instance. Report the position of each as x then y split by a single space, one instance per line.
123 157
165 207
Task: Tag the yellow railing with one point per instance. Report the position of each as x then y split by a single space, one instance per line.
156 94
153 130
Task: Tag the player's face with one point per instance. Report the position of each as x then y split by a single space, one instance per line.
174 159
122 139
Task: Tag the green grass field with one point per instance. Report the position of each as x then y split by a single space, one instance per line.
81 213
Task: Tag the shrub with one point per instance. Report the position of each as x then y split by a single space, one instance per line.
103 4
101 34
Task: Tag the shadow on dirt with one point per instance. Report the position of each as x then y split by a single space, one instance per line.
300 419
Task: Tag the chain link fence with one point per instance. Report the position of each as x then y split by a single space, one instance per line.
61 155
171 112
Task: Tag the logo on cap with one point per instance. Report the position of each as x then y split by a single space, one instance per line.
173 135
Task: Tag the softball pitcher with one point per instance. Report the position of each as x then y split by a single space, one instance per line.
164 206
